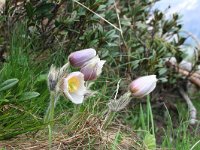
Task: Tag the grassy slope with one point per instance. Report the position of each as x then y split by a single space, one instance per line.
18 117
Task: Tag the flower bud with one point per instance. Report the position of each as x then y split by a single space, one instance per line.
93 68
143 85
52 78
79 58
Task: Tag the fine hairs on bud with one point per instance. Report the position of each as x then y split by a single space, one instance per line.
121 103
52 78
55 76
63 71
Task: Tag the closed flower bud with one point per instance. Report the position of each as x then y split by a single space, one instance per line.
73 87
93 68
79 58
143 85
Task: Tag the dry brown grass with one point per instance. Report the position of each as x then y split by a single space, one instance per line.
88 135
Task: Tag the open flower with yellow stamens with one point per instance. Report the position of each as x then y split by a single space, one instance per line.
73 87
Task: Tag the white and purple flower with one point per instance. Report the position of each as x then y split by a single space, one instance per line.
90 63
73 87
143 85
79 58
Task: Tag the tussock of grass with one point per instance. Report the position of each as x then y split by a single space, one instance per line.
87 134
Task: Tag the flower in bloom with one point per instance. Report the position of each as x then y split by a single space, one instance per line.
79 58
73 87
93 68
143 85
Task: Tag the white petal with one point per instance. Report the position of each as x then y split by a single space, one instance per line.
143 85
145 90
76 99
100 66
92 61
82 89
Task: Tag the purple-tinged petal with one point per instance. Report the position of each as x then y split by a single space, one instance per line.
79 58
143 85
92 69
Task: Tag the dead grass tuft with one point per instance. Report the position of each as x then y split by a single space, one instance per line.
87 135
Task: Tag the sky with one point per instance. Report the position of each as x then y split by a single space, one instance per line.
188 9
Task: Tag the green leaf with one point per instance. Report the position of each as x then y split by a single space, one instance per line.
163 80
126 22
150 141
29 95
29 9
44 10
117 140
3 100
41 78
162 71
8 84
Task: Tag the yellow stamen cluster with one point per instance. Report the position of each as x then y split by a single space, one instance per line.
73 84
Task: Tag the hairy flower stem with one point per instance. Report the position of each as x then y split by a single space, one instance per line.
50 136
50 114
52 107
50 111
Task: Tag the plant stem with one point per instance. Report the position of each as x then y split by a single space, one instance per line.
50 115
50 111
50 136
150 114
52 104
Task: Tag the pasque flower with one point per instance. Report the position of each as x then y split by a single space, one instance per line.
73 87
93 68
79 58
90 63
143 85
